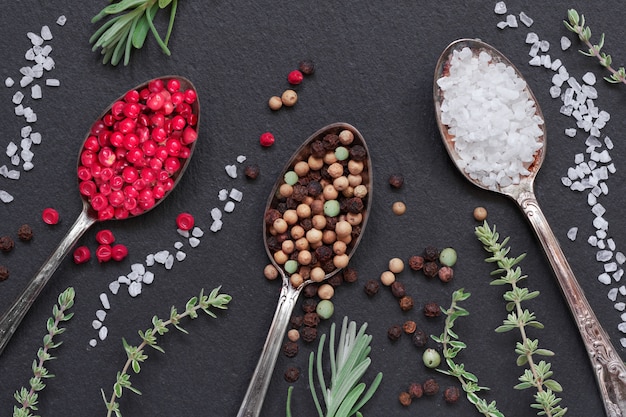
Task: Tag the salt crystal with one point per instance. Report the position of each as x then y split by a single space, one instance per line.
26 131
17 97
11 149
19 110
9 82
13 174
617 276
197 232
611 244
45 51
600 223
571 132
500 8
231 170
229 207
138 268
622 290
216 214
35 92
105 301
534 49
26 155
5 197
178 245
592 240
531 38
46 34
169 262
620 306
601 234
93 343
36 138
571 233
27 166
511 21
236 195
604 278
52 82
566 181
525 19
103 332
148 278
589 78
598 209
612 294
610 267
101 314
556 64
114 287
194 241
620 258
183 233
61 20
608 142
150 260
133 276
15 160
96 324
223 194
565 43
535 61
216 225
161 256
25 80
241 159
123 279
180 256
134 289
604 255
555 91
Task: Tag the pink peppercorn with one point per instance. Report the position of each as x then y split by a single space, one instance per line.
295 77
119 252
82 254
105 237
50 216
185 221
267 139
103 253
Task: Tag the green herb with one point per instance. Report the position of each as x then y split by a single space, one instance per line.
136 354
128 26
347 366
452 346
576 24
537 375
28 398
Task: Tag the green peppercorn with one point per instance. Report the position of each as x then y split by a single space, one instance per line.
325 309
331 208
447 257
291 266
341 153
431 358
291 177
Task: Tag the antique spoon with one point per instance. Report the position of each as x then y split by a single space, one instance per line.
608 367
253 400
12 318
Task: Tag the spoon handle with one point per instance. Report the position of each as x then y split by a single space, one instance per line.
253 401
12 318
608 366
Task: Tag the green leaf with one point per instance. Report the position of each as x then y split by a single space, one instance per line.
553 385
164 3
523 385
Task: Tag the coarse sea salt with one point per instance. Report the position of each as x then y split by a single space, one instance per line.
491 117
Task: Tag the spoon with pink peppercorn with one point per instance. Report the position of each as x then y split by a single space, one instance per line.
493 129
132 158
314 220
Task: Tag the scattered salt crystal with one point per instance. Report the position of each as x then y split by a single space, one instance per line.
101 315
216 225
61 20
544 46
620 257
500 8
231 170
604 278
36 138
148 278
17 97
229 207
114 287
565 43
11 149
35 92
134 289
123 279
5 197
197 232
589 78
103 332
52 82
598 209
511 20
566 181
96 324
601 234
19 110
617 276
241 159
611 244
133 276
93 343
501 24
534 49
194 241
13 174
25 80
622 290
161 256
180 256
223 194
571 233
571 132
555 91
216 214
236 195
105 301
26 155
26 131
531 38
620 306
46 34
178 245
600 223
546 61
535 61
45 51
169 262
27 166
604 255
610 267
9 82
556 64
525 19
612 294
150 260
138 268
183 233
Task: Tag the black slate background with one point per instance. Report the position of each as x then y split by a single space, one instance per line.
375 63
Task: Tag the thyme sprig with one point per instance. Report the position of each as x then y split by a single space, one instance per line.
576 23
537 375
128 26
344 395
136 355
28 397
452 346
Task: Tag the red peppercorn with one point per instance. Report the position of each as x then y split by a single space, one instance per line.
50 216
4 273
431 387
295 77
267 139
451 394
405 399
103 253
82 254
119 252
185 221
105 237
6 244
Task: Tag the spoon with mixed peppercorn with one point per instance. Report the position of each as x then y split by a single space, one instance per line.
493 130
314 220
132 158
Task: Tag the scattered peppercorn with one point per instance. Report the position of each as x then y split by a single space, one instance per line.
371 287
292 374
267 139
295 77
405 399
431 387
4 273
309 305
431 358
430 269
447 257
290 349
416 262
416 390
308 334
420 338
306 66
311 319
432 309
409 327
480 214
275 103
397 289
350 275
398 208
50 216
296 322
394 332
451 394
431 253
406 303
25 233
445 274
6 244
310 291
396 180
289 98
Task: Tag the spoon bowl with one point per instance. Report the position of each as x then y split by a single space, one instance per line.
108 171
294 281
609 369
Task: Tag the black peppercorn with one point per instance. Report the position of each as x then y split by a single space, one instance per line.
371 287
310 291
420 338
4 273
358 153
397 289
336 280
308 334
416 262
430 269
432 310
451 394
290 349
394 332
309 305
396 180
354 205
25 233
271 215
314 188
306 67
311 319
292 374
431 253
406 303
296 322
6 244
431 387
324 253
330 141
251 171
350 275
317 149
416 390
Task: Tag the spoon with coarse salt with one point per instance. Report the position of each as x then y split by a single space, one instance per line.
494 131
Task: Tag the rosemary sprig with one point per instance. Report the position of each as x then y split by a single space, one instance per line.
537 375
136 354
576 23
128 26
28 398
348 364
451 348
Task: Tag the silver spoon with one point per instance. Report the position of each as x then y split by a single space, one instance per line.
12 318
609 368
253 400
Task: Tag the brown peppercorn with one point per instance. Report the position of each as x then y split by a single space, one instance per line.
271 215
310 291
330 141
431 253
306 66
394 332
317 149
420 338
6 244
290 349
311 319
430 269
416 262
416 390
409 327
397 289
432 309
371 287
4 273
405 399
451 394
335 280
292 374
354 205
431 387
480 213
25 233
309 305
358 153
396 180
251 171
296 322
308 334
350 275
406 303
445 274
